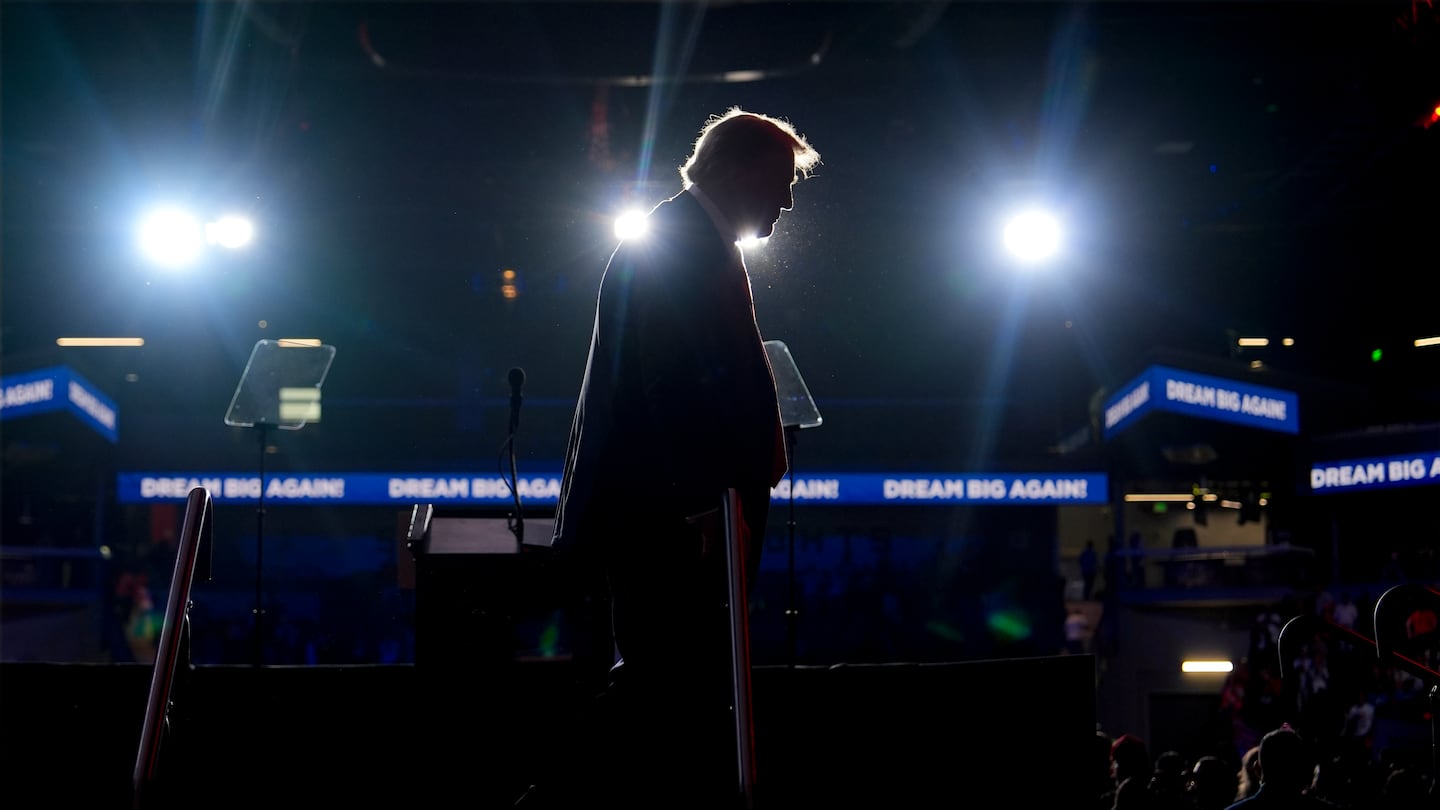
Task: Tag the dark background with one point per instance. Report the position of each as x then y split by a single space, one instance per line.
1225 169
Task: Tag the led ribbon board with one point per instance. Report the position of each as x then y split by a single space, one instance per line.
1386 472
405 489
59 388
1160 388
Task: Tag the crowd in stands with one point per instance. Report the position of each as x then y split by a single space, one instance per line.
1285 769
1314 717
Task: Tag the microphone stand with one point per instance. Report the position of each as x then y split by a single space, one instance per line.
259 612
517 521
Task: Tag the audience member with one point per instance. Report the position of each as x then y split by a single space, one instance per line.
1344 781
1345 611
1359 723
1248 777
1129 759
1103 784
1167 782
1077 631
1089 568
1212 784
1136 554
1286 764
1408 789
1132 794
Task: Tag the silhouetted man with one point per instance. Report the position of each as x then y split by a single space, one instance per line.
678 404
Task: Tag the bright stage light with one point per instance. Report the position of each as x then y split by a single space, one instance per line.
171 238
229 232
630 225
1032 236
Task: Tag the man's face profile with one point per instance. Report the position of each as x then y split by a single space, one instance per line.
764 190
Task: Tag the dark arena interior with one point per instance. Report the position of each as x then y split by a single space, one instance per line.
1106 359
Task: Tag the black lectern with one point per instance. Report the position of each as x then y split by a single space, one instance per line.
481 601
492 620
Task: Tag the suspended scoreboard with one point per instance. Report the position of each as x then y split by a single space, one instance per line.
1161 388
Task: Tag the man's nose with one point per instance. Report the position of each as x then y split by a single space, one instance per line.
789 201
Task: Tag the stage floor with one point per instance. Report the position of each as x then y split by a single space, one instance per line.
849 735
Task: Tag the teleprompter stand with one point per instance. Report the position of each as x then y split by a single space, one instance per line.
280 389
797 412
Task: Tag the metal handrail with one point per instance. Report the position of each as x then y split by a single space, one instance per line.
174 647
732 521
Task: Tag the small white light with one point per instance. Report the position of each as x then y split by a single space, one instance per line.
99 341
1206 666
735 76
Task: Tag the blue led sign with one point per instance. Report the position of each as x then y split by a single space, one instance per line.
54 389
1160 388
403 489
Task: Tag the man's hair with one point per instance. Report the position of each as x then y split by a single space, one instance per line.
739 138
1286 760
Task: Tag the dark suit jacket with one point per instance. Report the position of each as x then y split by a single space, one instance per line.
678 401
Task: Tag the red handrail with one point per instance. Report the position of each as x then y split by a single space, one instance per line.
1386 630
196 530
1391 633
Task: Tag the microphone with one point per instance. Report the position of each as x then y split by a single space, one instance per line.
517 381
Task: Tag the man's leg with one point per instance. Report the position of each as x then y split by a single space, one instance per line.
672 691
